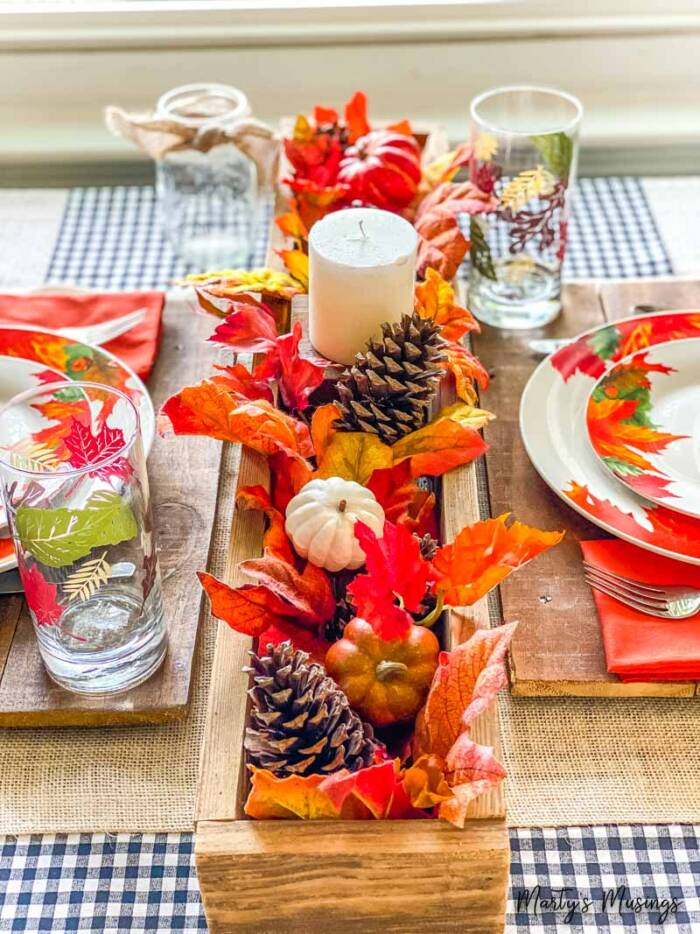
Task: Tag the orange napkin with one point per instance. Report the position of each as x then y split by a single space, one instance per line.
138 348
640 647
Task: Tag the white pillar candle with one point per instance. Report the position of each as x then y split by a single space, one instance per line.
362 266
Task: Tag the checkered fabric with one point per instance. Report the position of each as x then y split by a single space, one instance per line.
111 239
617 879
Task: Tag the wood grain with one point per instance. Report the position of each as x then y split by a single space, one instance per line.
358 876
557 650
177 467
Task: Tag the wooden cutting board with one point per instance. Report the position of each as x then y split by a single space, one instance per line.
558 649
183 473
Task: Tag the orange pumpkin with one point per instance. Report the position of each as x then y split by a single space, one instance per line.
385 682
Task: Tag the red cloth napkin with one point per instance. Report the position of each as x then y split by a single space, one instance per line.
640 647
138 348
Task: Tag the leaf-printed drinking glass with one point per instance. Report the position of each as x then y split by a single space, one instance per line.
76 491
525 143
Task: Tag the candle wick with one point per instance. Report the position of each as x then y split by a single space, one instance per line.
362 230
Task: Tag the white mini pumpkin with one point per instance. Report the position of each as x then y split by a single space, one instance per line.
320 521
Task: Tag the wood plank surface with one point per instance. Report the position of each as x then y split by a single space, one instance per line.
265 877
183 473
557 650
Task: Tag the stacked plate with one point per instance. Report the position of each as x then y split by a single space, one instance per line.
32 356
611 422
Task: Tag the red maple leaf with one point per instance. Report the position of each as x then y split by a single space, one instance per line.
87 449
395 569
41 595
297 377
248 328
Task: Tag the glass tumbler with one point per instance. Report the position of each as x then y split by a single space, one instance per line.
525 142
208 197
76 494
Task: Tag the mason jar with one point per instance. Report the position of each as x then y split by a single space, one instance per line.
208 195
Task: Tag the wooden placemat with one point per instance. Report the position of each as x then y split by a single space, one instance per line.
558 648
28 698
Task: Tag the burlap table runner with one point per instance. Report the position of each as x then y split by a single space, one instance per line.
570 761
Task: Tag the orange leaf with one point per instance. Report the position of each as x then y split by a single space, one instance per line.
467 680
275 541
465 368
471 770
292 226
211 408
297 264
289 475
441 243
435 298
483 555
425 782
322 431
403 127
248 609
369 793
439 447
615 433
403 501
308 594
356 122
446 167
354 455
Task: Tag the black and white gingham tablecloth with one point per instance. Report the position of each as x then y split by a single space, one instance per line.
608 878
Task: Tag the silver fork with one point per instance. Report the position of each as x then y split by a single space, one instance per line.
671 602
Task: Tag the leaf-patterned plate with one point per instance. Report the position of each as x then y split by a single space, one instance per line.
553 428
643 421
31 356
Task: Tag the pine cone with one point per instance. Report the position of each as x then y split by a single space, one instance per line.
389 389
301 721
428 547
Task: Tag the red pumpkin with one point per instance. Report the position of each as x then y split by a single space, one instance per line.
385 681
382 169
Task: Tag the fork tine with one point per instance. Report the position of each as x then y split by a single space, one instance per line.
617 578
630 590
627 601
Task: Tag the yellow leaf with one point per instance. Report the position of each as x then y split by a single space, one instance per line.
485 147
531 183
466 414
297 264
354 455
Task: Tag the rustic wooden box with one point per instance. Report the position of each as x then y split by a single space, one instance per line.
288 876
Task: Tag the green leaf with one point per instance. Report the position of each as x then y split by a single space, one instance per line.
557 150
57 537
605 342
479 252
621 468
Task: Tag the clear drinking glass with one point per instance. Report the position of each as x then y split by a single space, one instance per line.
208 199
525 143
76 493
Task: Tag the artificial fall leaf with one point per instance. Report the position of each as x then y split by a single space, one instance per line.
404 502
401 126
242 382
313 155
466 681
439 447
214 410
374 792
471 770
394 569
249 609
247 329
446 167
42 595
322 431
229 283
435 298
291 226
308 593
288 475
466 414
441 243
356 122
313 201
354 455
296 262
325 116
425 782
297 377
484 554
466 368
275 541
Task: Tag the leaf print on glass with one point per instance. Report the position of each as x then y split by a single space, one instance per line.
528 184
557 150
87 579
57 537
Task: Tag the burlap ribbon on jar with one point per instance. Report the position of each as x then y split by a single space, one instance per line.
159 135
